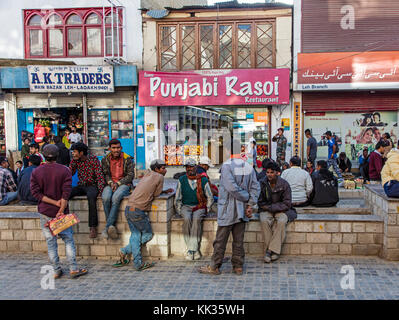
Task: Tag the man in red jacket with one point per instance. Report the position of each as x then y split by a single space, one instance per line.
376 163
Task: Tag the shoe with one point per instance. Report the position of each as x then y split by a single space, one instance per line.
275 256
209 270
189 255
124 259
58 274
78 273
93 232
112 232
146 265
237 271
104 234
197 255
268 257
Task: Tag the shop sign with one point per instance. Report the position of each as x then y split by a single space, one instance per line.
260 117
71 78
215 87
297 129
348 70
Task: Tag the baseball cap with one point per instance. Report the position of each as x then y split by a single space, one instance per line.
190 162
206 160
157 162
50 151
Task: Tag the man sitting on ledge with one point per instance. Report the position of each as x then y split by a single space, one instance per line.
300 182
325 186
390 174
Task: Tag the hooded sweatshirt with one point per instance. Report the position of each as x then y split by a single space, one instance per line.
390 171
325 191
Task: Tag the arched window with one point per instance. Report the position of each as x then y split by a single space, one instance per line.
55 36
93 18
36 20
35 36
74 35
93 35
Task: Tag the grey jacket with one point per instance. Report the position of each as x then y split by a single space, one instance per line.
238 187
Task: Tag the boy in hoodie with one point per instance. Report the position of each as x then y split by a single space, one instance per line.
325 186
390 174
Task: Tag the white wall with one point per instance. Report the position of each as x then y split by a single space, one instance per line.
12 27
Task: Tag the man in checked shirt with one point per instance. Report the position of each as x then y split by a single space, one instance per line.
8 188
91 181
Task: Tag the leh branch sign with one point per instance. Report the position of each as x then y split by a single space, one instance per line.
71 78
214 87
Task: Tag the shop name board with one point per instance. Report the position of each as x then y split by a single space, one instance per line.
71 78
214 87
348 70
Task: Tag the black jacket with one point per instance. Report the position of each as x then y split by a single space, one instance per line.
24 193
64 156
325 189
344 164
276 200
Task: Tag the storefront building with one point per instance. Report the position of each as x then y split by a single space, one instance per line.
46 106
344 84
210 69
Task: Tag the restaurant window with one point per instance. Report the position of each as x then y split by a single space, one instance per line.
213 45
72 33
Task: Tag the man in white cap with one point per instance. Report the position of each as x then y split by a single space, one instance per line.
193 200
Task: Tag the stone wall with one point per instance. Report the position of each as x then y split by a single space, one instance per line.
388 210
305 236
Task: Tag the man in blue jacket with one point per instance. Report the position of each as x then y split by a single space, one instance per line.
24 193
238 196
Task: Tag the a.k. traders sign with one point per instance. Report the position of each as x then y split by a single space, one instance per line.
71 78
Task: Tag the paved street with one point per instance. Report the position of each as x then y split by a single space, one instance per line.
289 278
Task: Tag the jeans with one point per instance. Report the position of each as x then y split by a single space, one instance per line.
10 196
391 188
112 201
140 227
52 246
91 192
333 162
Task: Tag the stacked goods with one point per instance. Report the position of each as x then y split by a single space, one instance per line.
348 184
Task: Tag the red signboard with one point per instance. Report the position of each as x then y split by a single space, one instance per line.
215 87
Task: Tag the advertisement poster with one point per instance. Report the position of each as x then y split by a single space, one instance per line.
354 130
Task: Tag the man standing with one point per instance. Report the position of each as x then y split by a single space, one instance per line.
24 193
51 185
74 137
300 182
8 188
376 163
238 197
281 146
274 206
311 150
118 169
25 152
332 155
193 200
91 181
139 204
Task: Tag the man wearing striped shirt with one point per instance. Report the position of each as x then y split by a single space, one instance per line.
8 188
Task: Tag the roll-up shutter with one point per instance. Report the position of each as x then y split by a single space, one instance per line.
350 101
118 99
36 100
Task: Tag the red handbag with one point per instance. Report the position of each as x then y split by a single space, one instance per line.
62 223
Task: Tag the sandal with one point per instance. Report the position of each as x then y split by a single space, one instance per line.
80 272
121 263
58 274
237 271
209 270
146 265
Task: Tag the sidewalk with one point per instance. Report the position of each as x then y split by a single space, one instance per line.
289 278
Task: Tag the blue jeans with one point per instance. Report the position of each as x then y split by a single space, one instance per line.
333 162
10 196
112 201
52 246
391 189
141 230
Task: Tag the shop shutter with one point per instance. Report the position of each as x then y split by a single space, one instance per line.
57 100
376 26
118 99
350 101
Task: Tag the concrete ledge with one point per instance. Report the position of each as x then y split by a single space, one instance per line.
19 215
379 190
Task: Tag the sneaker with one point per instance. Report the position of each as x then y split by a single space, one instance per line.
189 255
268 257
275 256
104 234
112 232
197 255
